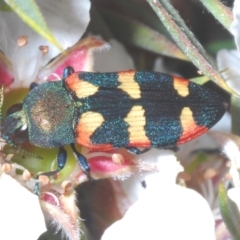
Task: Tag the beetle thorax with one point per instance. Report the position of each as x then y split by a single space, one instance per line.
50 113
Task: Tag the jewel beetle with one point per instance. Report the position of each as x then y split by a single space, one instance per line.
104 111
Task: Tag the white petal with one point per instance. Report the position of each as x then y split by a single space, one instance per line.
231 150
67 20
228 61
166 165
21 216
234 195
176 213
165 169
236 23
115 59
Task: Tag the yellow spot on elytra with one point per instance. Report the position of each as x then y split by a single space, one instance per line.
136 121
88 123
181 86
128 84
190 129
187 120
83 89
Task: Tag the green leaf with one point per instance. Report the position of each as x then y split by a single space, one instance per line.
29 12
200 80
219 11
235 112
187 42
143 14
214 47
230 212
200 158
140 35
4 6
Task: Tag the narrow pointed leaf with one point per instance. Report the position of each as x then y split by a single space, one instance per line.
200 158
29 12
187 42
230 212
219 11
200 80
235 112
140 35
4 6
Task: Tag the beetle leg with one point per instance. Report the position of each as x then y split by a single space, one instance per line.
36 189
67 71
82 161
136 151
61 161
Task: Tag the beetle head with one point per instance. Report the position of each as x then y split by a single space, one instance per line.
14 127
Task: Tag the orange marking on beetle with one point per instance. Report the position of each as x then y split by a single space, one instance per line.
140 143
81 88
128 84
100 147
190 129
181 86
88 123
136 120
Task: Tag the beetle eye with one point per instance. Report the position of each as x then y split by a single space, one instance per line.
14 108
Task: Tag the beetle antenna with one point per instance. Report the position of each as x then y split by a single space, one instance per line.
24 151
8 141
67 72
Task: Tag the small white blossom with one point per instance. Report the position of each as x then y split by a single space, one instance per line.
164 210
236 23
229 60
67 21
21 214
